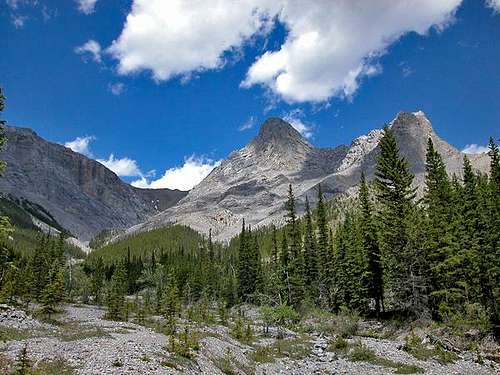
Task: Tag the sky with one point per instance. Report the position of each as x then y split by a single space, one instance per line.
160 91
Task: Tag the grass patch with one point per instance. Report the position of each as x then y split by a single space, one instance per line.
297 348
414 346
339 345
359 352
226 364
177 362
76 333
13 334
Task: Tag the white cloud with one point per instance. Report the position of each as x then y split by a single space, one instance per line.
91 48
248 124
475 149
123 167
330 46
81 145
494 4
184 177
86 6
294 118
116 88
333 44
178 37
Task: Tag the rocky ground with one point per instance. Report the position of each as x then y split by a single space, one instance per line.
80 341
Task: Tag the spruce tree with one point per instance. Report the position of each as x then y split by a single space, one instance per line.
325 263
371 247
438 235
395 195
310 255
170 300
116 293
296 261
53 293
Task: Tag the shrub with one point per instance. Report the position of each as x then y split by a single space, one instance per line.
346 323
360 352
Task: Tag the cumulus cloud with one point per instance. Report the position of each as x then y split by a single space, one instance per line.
90 48
81 145
116 88
248 124
331 45
494 4
183 177
475 149
86 6
178 37
123 167
294 118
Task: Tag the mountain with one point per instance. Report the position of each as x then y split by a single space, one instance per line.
77 192
252 182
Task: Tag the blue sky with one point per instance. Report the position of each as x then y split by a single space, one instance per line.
181 84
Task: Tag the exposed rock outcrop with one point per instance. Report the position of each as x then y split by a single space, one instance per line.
81 194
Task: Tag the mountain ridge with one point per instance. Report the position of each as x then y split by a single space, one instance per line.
81 193
252 182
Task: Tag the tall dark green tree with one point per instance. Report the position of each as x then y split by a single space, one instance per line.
53 293
310 255
395 194
325 262
296 260
371 247
116 293
439 241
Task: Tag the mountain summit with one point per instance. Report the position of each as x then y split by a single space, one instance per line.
85 197
252 182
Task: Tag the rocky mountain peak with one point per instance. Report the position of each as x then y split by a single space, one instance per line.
277 135
277 130
414 122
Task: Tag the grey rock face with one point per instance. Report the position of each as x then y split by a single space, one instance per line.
252 183
80 193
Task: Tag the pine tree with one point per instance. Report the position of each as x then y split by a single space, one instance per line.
53 293
97 280
371 247
438 236
296 261
116 293
171 300
395 194
275 249
310 255
493 256
325 263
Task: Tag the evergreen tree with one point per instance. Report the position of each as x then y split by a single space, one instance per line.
116 293
53 293
296 261
371 247
325 264
310 255
438 235
171 300
395 194
97 280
